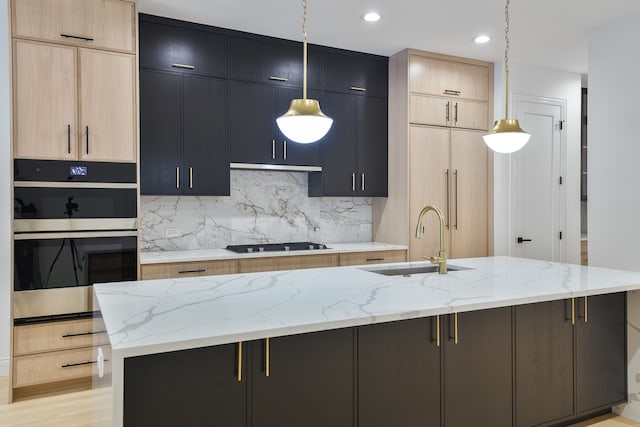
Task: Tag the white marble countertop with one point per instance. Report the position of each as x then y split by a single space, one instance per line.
164 315
219 254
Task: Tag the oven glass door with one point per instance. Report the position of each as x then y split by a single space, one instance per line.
59 260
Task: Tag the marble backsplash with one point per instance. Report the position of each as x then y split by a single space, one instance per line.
264 207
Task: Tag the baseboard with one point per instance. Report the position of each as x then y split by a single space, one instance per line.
4 367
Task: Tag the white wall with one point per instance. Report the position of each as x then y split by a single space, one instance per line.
5 189
544 82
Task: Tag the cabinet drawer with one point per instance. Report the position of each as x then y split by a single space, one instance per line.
58 366
448 78
189 269
44 337
107 24
374 257
272 62
356 74
287 262
170 48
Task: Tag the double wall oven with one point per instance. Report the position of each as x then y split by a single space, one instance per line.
75 224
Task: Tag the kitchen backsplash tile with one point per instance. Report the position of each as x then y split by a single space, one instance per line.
264 207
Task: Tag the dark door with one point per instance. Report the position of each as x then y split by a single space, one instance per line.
160 132
543 363
399 374
289 152
252 126
206 169
310 380
372 146
601 375
478 370
185 388
339 175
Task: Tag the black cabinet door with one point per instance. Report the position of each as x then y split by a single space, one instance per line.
290 152
185 388
478 369
543 363
399 374
601 375
278 63
310 380
339 175
205 165
356 74
160 132
372 146
168 47
252 113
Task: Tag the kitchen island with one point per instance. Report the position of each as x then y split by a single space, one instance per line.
328 310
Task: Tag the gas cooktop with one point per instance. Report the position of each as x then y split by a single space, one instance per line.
276 247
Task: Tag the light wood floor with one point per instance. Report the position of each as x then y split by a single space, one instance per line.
92 408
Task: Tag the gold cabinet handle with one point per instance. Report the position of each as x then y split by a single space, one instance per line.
353 181
239 361
185 66
266 358
573 311
278 79
586 310
455 328
358 89
273 149
190 177
363 181
177 176
438 330
284 148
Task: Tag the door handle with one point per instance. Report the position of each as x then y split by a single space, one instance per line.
363 187
239 371
353 181
455 173
69 139
87 139
267 358
273 149
447 194
522 240
284 149
447 110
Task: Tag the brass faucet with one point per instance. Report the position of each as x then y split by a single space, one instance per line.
441 260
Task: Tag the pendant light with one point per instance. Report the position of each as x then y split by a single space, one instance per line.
506 136
304 122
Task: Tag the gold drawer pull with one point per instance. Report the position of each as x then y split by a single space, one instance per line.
239 361
278 79
267 367
83 334
358 89
438 330
185 66
586 310
455 328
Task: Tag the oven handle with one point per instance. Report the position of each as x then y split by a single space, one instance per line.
74 235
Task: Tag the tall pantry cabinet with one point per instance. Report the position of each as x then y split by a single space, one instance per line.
439 108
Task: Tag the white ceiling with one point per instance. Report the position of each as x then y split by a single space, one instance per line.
551 33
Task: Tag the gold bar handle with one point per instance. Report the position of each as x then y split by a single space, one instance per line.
284 143
190 177
278 79
266 357
273 149
353 181
185 66
363 181
239 361
358 89
573 311
455 328
177 176
586 310
438 330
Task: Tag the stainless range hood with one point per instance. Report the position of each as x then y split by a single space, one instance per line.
288 168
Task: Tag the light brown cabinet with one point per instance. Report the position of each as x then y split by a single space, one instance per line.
188 269
289 262
104 24
73 103
374 257
438 111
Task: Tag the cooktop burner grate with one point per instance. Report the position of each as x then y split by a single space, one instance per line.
276 247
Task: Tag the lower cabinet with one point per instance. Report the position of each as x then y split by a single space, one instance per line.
570 358
304 380
193 387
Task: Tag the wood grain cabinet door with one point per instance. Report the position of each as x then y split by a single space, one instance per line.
45 114
107 106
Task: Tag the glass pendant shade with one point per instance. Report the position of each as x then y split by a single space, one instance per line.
304 122
506 136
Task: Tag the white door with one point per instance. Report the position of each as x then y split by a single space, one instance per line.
537 198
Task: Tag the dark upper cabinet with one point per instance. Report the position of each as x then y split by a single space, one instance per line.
399 374
274 62
355 149
253 134
601 357
310 382
186 388
183 140
356 73
173 48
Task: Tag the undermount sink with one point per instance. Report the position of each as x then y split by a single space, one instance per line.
408 271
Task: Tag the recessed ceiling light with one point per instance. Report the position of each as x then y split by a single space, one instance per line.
482 39
371 17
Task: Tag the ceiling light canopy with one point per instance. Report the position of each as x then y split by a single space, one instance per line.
304 121
482 39
506 136
371 17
